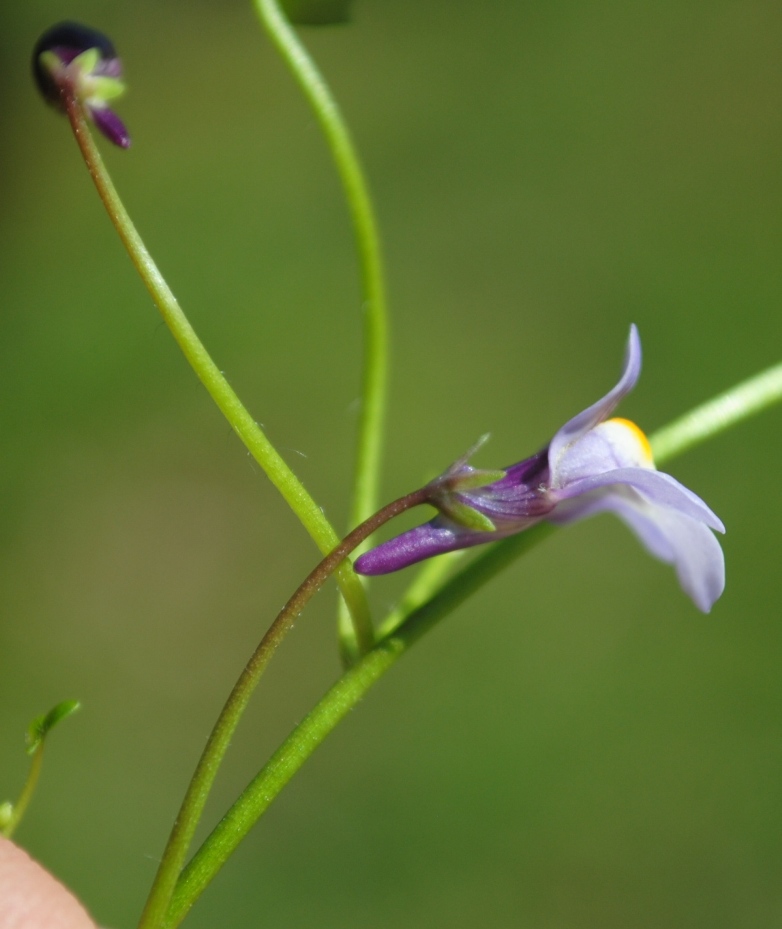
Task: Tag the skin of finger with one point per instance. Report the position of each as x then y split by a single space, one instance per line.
30 898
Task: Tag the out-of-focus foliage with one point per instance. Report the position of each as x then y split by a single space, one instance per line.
318 12
577 747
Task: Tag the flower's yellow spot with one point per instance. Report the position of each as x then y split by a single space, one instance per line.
639 435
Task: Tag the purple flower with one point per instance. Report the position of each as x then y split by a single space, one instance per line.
71 59
593 464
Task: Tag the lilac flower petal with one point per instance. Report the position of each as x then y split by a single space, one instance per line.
659 489
696 553
667 534
610 445
589 418
110 125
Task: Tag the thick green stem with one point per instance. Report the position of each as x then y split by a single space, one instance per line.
210 376
220 738
375 374
704 422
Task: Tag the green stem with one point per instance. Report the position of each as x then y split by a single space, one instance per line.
210 376
220 738
375 374
704 422
430 578
20 807
334 706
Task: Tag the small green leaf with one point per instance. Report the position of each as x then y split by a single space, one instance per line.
42 725
317 12
6 815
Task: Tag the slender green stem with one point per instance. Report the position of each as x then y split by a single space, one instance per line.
375 374
220 738
704 422
342 697
20 807
211 377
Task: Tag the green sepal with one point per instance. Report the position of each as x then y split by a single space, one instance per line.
41 726
467 516
317 12
6 815
477 478
106 88
87 62
50 61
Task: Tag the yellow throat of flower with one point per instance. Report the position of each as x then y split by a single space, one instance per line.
634 435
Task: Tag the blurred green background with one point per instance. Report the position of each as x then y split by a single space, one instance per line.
577 747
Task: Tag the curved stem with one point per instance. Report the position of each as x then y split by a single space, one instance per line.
375 374
220 738
20 807
248 430
718 414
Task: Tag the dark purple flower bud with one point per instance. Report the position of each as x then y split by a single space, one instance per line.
67 40
74 61
593 464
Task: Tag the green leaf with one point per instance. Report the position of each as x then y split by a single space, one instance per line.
317 12
42 725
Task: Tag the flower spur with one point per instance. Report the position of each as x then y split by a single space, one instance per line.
593 464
